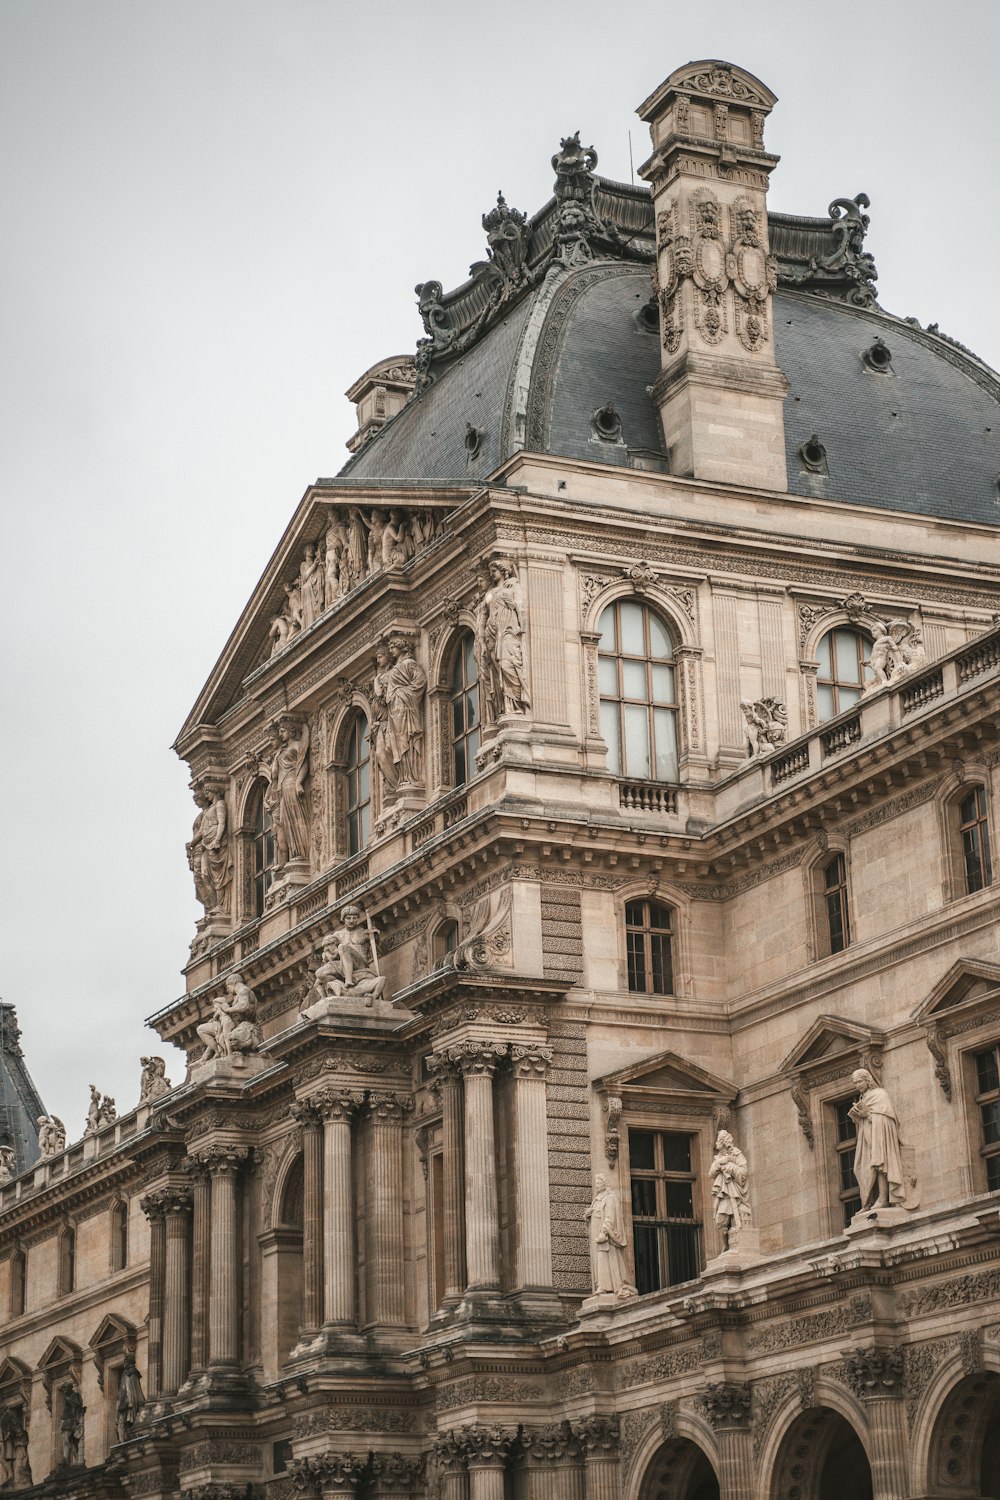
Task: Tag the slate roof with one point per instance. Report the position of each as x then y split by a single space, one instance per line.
20 1103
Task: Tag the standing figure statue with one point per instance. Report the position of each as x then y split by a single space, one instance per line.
490 692
405 685
71 1427
730 1178
285 797
310 586
378 727
8 1166
8 1426
357 547
93 1111
209 856
396 548
336 547
607 1243
505 626
22 1464
376 531
51 1135
154 1082
130 1399
878 1163
232 1029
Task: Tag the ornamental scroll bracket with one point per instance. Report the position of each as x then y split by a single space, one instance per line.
612 1106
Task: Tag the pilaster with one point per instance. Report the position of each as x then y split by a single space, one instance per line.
486 1451
448 1085
177 1208
553 1465
154 1208
392 1476
534 1227
339 1299
598 1438
384 1255
310 1119
201 1246
728 1408
478 1061
876 1376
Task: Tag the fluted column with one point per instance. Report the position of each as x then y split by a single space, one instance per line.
153 1207
876 1376
339 1302
448 1086
486 1451
384 1268
531 1155
225 1262
201 1240
311 1120
478 1061
598 1437
449 1461
176 1310
728 1408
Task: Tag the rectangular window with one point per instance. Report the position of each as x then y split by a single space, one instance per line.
666 1230
974 828
437 1226
847 1139
835 899
988 1100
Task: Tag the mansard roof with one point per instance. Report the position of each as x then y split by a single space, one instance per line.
544 335
20 1102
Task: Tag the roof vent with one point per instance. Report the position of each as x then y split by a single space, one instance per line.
473 441
813 455
647 317
878 358
607 424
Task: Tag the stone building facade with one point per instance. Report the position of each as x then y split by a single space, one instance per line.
592 1034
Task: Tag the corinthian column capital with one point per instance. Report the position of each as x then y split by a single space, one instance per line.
478 1057
531 1062
220 1158
339 1104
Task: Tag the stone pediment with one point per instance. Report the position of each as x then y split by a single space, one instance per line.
15 1377
965 998
832 1038
667 1082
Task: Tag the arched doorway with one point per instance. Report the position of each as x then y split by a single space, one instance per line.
680 1470
965 1443
822 1457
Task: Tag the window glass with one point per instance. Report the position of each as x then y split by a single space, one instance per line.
665 1225
262 843
974 828
638 693
841 654
988 1100
633 641
465 711
648 932
835 903
847 1135
358 785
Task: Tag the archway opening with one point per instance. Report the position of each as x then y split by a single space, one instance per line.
823 1457
680 1470
965 1444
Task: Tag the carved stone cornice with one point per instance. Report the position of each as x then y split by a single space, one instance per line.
727 1405
875 1374
530 1062
165 1202
598 1436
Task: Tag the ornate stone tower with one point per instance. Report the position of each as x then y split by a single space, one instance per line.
720 392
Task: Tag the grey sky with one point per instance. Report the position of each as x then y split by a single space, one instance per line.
215 214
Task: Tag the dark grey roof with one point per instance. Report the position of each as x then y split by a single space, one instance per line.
924 437
20 1104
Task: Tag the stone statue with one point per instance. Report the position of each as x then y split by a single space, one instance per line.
281 632
108 1112
730 1189
311 582
93 1111
767 724
897 649
504 627
405 686
130 1399
51 1136
378 727
15 1470
154 1082
336 546
607 1243
349 967
356 555
376 530
285 797
395 540
8 1165
71 1427
22 1464
232 1030
878 1164
209 855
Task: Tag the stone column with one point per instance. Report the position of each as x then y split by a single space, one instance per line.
311 1121
449 1463
339 1302
384 1268
200 1260
153 1207
531 1155
478 1062
552 1462
177 1207
598 1437
334 1476
393 1477
876 1376
728 1410
486 1450
225 1263
448 1085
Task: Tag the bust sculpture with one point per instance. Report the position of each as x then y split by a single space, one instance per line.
878 1163
607 1243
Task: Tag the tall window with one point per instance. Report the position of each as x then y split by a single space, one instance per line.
18 1283
975 832
988 1100
647 941
445 941
119 1237
262 846
638 696
359 791
665 1230
842 654
67 1262
847 1140
838 919
464 710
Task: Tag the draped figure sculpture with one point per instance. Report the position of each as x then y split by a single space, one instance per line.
504 627
71 1427
130 1399
878 1162
405 686
378 725
730 1178
285 797
209 855
231 1030
607 1243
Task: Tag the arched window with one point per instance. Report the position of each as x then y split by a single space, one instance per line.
974 831
359 793
648 935
262 845
293 1196
842 655
67 1261
119 1237
836 912
464 710
638 696
18 1283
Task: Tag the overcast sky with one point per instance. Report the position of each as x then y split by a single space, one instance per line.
214 217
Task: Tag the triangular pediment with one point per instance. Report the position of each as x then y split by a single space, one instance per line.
826 1038
13 1372
60 1352
667 1074
965 984
113 1330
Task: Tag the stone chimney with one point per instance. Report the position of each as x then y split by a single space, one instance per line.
379 394
720 392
